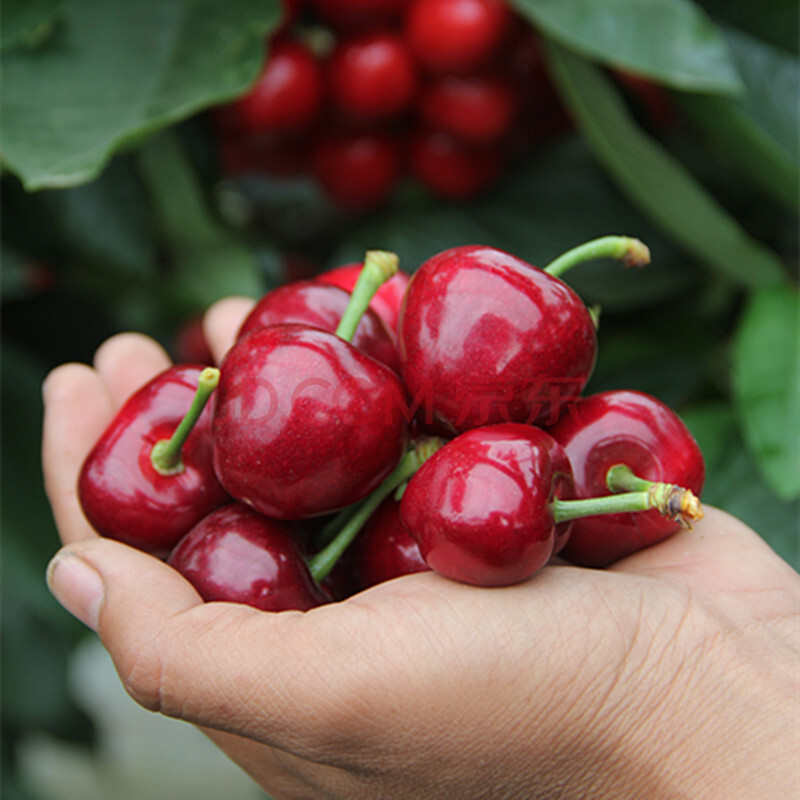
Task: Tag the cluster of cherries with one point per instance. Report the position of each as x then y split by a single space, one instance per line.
358 93
367 424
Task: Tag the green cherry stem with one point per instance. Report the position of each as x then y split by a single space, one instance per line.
673 502
632 252
379 266
633 494
166 454
565 510
321 564
333 526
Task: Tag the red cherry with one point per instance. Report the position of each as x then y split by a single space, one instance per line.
456 36
122 493
190 345
388 299
486 338
479 109
359 14
452 169
384 549
322 305
639 431
480 507
305 423
372 76
239 556
358 170
286 97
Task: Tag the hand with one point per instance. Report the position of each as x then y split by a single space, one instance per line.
672 674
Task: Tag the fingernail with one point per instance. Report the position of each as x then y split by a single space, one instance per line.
77 586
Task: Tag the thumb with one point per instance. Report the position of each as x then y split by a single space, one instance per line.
219 665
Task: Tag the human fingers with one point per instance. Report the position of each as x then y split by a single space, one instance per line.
722 555
364 682
126 362
218 665
222 321
77 407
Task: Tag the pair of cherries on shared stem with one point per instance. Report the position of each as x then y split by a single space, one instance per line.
492 506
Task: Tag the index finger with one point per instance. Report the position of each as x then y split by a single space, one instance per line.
77 408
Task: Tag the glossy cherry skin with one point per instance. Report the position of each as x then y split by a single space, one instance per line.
479 507
305 423
357 169
287 96
486 338
478 109
452 168
372 77
635 429
122 494
456 36
322 305
387 300
237 555
384 549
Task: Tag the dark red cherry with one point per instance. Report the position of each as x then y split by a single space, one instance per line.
487 338
481 507
456 36
304 422
451 168
479 109
322 305
384 549
190 345
359 14
237 555
357 169
639 431
372 77
287 96
388 299
122 493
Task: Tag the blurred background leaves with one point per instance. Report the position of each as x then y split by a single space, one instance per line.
118 214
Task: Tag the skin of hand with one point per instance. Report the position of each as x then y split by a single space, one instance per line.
673 674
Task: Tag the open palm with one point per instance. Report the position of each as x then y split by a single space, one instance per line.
671 673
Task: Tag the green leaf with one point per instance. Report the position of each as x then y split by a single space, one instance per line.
655 181
759 131
29 23
766 382
116 71
670 41
733 482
